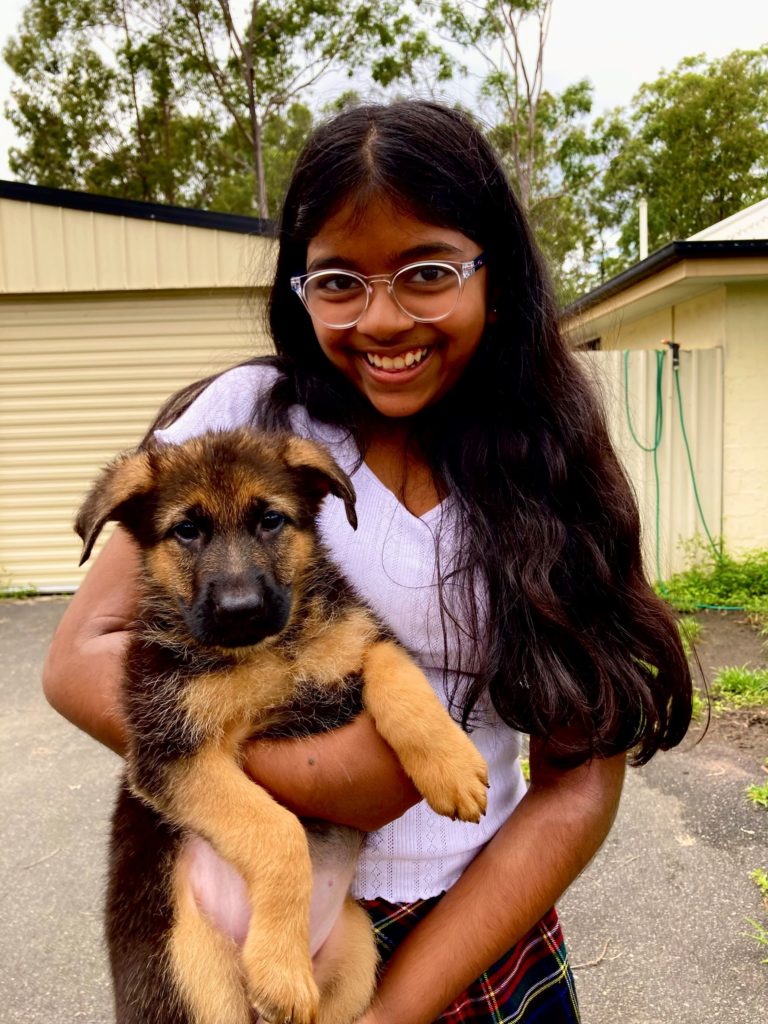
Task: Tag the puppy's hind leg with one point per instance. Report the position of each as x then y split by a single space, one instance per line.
345 967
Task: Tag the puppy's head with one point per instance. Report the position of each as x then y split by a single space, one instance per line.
225 523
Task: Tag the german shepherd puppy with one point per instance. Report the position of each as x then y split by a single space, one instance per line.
243 620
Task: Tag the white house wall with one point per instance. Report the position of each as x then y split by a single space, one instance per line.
745 508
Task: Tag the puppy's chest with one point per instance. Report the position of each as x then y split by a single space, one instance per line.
311 684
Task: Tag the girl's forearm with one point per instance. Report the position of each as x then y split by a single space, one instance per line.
83 669
350 776
557 828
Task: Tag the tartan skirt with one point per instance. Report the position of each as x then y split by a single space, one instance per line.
531 984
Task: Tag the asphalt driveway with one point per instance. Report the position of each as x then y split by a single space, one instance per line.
656 925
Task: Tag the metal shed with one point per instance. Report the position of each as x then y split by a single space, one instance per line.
107 306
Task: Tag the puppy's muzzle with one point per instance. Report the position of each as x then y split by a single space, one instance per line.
239 610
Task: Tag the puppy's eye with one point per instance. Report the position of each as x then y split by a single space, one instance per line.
186 531
272 521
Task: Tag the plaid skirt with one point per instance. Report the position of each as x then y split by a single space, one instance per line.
531 984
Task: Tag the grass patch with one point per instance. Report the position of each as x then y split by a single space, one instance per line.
740 687
690 633
698 706
759 797
723 582
760 878
10 590
759 932
760 936
13 593
525 764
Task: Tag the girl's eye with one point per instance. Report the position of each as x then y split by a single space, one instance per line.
272 521
427 274
336 284
186 531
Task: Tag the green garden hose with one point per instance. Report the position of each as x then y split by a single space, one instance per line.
654 450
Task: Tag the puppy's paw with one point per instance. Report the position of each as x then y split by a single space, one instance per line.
281 985
452 777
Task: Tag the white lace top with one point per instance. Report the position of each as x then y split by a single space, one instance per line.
391 560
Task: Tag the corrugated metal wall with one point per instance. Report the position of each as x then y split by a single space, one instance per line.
80 379
701 386
50 249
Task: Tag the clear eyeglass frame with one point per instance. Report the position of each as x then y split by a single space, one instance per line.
463 270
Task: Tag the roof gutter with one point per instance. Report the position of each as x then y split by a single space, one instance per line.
675 252
92 203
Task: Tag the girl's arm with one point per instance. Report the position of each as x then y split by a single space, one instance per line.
549 839
350 776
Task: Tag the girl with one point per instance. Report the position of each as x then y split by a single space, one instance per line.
417 336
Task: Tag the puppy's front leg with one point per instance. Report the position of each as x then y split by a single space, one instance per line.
266 844
443 763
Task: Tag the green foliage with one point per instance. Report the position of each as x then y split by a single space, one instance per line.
721 582
12 591
759 797
759 934
760 878
188 101
694 143
690 632
698 704
543 138
741 687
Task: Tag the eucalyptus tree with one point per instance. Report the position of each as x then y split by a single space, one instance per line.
194 101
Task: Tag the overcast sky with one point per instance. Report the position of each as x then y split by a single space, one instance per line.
616 45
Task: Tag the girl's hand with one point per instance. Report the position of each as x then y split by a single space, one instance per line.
549 838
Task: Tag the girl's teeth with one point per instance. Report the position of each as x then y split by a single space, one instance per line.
402 362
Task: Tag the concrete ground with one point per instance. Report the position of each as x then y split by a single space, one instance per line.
657 925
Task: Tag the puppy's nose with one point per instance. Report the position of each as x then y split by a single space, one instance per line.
239 600
239 610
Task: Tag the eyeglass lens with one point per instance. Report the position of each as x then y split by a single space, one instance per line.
428 291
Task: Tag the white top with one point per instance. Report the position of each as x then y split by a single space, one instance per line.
391 560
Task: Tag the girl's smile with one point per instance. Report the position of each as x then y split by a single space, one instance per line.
400 364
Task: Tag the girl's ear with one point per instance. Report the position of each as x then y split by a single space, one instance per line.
320 473
125 479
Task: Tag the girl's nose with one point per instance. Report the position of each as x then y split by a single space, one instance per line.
383 318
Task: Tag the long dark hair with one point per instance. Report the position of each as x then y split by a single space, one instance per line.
573 640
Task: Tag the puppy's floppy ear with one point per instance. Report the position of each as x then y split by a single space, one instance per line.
124 479
321 473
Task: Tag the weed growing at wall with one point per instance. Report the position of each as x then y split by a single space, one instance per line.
724 582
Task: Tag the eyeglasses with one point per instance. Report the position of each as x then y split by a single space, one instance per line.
425 291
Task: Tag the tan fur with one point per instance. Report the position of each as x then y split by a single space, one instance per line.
346 967
338 650
213 797
219 701
442 761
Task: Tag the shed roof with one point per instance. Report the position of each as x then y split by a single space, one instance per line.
751 222
58 241
691 265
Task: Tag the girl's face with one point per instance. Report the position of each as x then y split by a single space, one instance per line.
382 241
